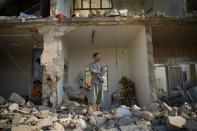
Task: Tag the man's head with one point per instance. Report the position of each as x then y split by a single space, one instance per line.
97 56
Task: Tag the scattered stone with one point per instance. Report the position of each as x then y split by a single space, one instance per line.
123 12
24 111
123 111
80 123
165 107
135 107
45 122
5 121
32 120
175 122
57 127
44 113
13 107
16 98
147 116
2 100
113 12
17 119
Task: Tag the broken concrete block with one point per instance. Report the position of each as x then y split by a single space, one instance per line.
175 122
191 125
13 107
18 119
32 120
2 100
123 111
44 122
80 123
113 12
136 110
123 12
165 107
44 113
2 122
23 111
16 98
57 127
147 116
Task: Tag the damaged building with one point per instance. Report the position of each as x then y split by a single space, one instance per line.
46 46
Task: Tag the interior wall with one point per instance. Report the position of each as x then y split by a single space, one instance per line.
138 67
115 59
12 79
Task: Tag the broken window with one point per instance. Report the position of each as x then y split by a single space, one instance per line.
92 4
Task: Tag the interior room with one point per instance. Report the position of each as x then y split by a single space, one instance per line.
19 62
123 51
175 58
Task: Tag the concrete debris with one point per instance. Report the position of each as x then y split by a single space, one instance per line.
13 107
2 100
17 119
175 122
165 107
113 12
57 127
123 12
123 111
147 116
16 98
31 120
72 116
80 123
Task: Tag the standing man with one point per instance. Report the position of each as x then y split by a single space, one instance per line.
97 72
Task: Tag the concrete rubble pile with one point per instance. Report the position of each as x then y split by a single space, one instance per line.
72 116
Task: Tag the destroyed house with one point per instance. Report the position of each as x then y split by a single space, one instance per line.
46 46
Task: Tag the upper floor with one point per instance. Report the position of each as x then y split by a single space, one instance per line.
96 8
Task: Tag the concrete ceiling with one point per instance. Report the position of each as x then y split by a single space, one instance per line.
175 35
19 41
103 36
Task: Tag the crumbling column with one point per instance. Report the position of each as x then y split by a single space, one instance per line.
151 76
53 65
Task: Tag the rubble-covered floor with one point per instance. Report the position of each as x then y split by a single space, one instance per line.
17 115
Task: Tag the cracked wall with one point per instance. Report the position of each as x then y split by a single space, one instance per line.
52 63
